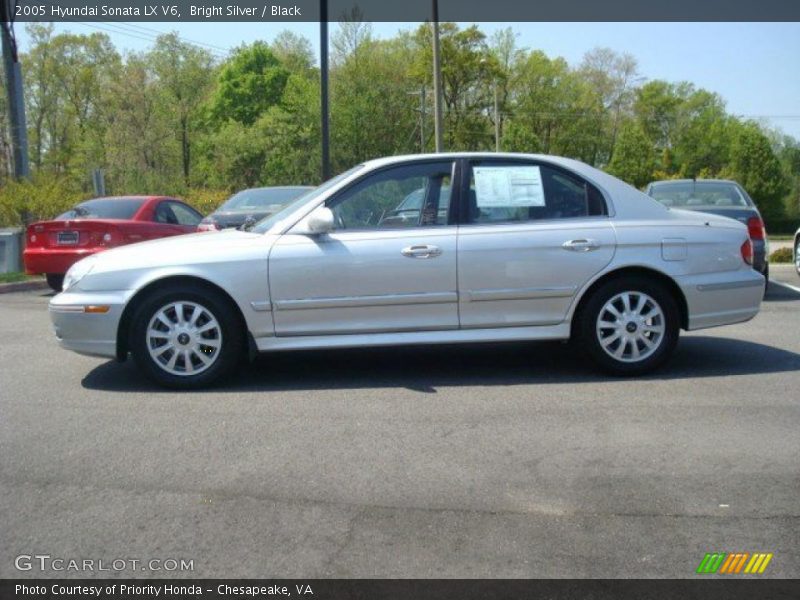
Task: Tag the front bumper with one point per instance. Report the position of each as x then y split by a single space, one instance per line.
90 333
724 298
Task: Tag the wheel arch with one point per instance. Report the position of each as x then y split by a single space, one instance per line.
638 271
123 343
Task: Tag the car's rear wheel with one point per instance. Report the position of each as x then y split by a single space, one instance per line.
55 281
186 337
629 326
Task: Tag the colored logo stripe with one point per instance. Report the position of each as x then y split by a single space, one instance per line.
734 563
758 563
711 562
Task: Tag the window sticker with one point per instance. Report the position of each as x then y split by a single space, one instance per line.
508 186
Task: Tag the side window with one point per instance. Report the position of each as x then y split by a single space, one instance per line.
164 214
184 214
400 197
507 193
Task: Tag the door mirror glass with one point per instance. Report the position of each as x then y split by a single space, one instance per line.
320 221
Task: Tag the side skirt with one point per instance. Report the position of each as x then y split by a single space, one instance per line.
455 336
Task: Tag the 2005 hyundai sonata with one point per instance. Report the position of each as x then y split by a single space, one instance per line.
420 250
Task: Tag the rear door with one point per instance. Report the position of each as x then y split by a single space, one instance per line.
532 236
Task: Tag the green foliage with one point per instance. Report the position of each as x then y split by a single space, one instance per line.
42 198
782 255
175 120
248 84
754 165
205 200
634 158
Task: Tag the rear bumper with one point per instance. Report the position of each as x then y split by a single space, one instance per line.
53 260
715 299
93 334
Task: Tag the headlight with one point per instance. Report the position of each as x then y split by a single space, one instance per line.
77 272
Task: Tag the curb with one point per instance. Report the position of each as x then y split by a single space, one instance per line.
24 286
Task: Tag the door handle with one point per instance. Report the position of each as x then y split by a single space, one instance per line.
421 251
581 245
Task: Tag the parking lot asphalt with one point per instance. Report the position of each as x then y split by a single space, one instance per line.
485 461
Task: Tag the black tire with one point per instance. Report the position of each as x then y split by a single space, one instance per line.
225 357
55 281
797 256
589 336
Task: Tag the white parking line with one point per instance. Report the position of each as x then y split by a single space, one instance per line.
794 288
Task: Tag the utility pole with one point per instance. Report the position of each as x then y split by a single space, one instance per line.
437 81
323 81
16 102
496 120
422 111
422 120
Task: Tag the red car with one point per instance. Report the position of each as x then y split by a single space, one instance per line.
54 246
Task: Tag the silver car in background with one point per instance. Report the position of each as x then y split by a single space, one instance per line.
501 247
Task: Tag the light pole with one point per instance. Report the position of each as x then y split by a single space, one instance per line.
16 102
323 92
437 80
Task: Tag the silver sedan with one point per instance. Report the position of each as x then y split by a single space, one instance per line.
499 247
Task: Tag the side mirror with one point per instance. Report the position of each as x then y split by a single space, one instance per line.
320 221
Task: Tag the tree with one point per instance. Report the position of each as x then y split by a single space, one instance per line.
634 158
250 82
295 53
614 77
185 73
754 165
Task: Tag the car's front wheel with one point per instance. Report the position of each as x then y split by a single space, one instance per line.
186 337
629 326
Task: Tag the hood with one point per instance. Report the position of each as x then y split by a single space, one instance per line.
182 250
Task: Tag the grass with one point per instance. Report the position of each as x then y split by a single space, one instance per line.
16 277
784 255
781 238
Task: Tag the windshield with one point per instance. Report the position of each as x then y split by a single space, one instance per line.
268 223
695 194
263 199
104 208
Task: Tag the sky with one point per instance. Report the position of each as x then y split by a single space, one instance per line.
755 67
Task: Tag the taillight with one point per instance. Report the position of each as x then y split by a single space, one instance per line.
102 238
756 229
747 252
35 234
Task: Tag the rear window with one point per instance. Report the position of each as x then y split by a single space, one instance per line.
699 194
275 198
104 208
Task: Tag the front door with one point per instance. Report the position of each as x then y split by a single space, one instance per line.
388 266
